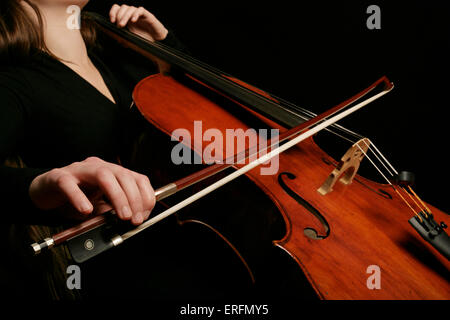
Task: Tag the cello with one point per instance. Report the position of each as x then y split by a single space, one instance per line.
337 225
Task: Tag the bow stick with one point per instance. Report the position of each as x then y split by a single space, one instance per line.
296 134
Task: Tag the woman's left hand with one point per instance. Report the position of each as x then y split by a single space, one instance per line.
139 21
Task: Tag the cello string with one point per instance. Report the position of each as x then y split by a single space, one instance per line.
217 73
306 118
181 184
296 112
387 169
422 206
336 126
311 114
293 110
290 107
341 136
404 200
375 166
389 182
415 202
384 158
304 114
378 158
423 203
314 128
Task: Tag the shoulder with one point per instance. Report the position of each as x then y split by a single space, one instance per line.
23 70
13 77
26 77
15 90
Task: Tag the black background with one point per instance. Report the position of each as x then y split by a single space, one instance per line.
317 54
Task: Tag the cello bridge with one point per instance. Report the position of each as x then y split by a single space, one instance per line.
347 168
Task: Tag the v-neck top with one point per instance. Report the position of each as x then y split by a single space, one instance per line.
50 116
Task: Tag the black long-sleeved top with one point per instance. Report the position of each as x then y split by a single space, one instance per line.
51 117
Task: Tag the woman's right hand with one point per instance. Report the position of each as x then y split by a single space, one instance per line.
130 194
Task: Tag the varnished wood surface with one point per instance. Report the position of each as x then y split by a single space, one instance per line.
365 228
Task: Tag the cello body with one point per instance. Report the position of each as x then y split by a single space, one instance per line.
340 241
353 242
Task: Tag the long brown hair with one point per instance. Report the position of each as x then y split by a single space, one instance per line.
20 37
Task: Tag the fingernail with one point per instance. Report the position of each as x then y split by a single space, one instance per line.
137 219
85 207
126 212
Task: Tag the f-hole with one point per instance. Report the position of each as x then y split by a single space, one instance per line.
309 232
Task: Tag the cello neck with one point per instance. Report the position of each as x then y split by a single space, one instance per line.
227 85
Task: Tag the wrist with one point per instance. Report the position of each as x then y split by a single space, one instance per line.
33 189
